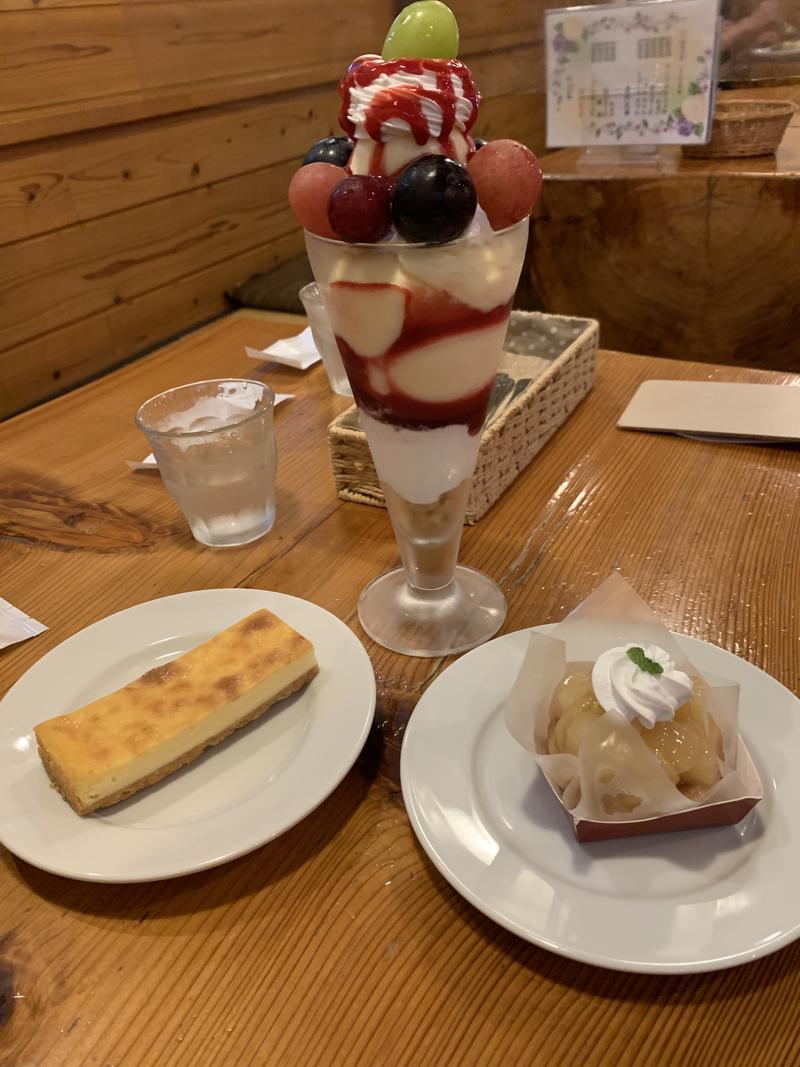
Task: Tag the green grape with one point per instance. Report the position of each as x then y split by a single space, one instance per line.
425 30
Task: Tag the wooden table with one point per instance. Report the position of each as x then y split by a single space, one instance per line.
339 943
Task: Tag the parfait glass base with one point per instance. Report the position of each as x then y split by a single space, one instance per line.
432 622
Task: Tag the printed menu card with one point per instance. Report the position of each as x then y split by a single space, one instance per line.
632 74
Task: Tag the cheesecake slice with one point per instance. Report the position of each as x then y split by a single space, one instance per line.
115 746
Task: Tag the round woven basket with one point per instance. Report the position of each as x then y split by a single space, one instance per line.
745 128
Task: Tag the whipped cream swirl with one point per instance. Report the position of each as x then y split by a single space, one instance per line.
409 106
621 686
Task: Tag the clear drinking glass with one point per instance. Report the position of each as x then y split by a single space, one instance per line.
322 333
214 445
420 329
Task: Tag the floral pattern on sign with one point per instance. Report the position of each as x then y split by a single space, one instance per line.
689 118
657 97
563 46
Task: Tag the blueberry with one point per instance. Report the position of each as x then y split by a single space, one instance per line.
335 150
434 200
479 143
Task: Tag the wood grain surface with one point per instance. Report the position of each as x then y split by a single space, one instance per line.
339 943
155 139
701 263
68 68
146 147
55 184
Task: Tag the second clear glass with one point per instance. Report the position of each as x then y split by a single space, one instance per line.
322 332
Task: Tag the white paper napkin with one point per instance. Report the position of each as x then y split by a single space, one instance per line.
15 625
149 462
299 352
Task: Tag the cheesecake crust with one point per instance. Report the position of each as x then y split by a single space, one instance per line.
134 737
62 785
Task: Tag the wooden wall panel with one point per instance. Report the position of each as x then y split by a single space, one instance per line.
194 297
504 45
58 59
502 23
201 41
66 69
55 183
519 116
69 355
146 147
512 89
55 361
67 275
513 70
43 5
34 192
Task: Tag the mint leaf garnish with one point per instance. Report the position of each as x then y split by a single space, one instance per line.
644 663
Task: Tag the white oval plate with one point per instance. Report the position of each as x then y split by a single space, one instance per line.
668 903
238 795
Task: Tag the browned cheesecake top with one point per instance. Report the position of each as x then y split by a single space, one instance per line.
168 701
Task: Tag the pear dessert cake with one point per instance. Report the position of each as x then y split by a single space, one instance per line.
123 742
665 707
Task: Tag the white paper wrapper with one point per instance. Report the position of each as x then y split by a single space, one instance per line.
612 758
15 625
299 351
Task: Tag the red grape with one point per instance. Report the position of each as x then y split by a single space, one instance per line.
508 181
309 192
359 209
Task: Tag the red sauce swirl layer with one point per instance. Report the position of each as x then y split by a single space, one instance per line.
425 323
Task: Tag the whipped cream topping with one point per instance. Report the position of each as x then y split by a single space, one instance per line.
621 686
402 108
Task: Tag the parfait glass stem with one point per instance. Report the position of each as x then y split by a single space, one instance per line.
428 536
420 329
430 606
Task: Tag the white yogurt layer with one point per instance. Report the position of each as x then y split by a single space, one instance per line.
451 367
420 465
369 325
400 149
479 273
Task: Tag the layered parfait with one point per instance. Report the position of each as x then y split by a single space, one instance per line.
416 232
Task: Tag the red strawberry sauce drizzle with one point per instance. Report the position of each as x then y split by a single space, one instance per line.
405 101
425 322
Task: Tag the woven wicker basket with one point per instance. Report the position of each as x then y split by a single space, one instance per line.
547 368
745 128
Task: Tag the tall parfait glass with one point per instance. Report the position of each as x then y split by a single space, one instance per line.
420 329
